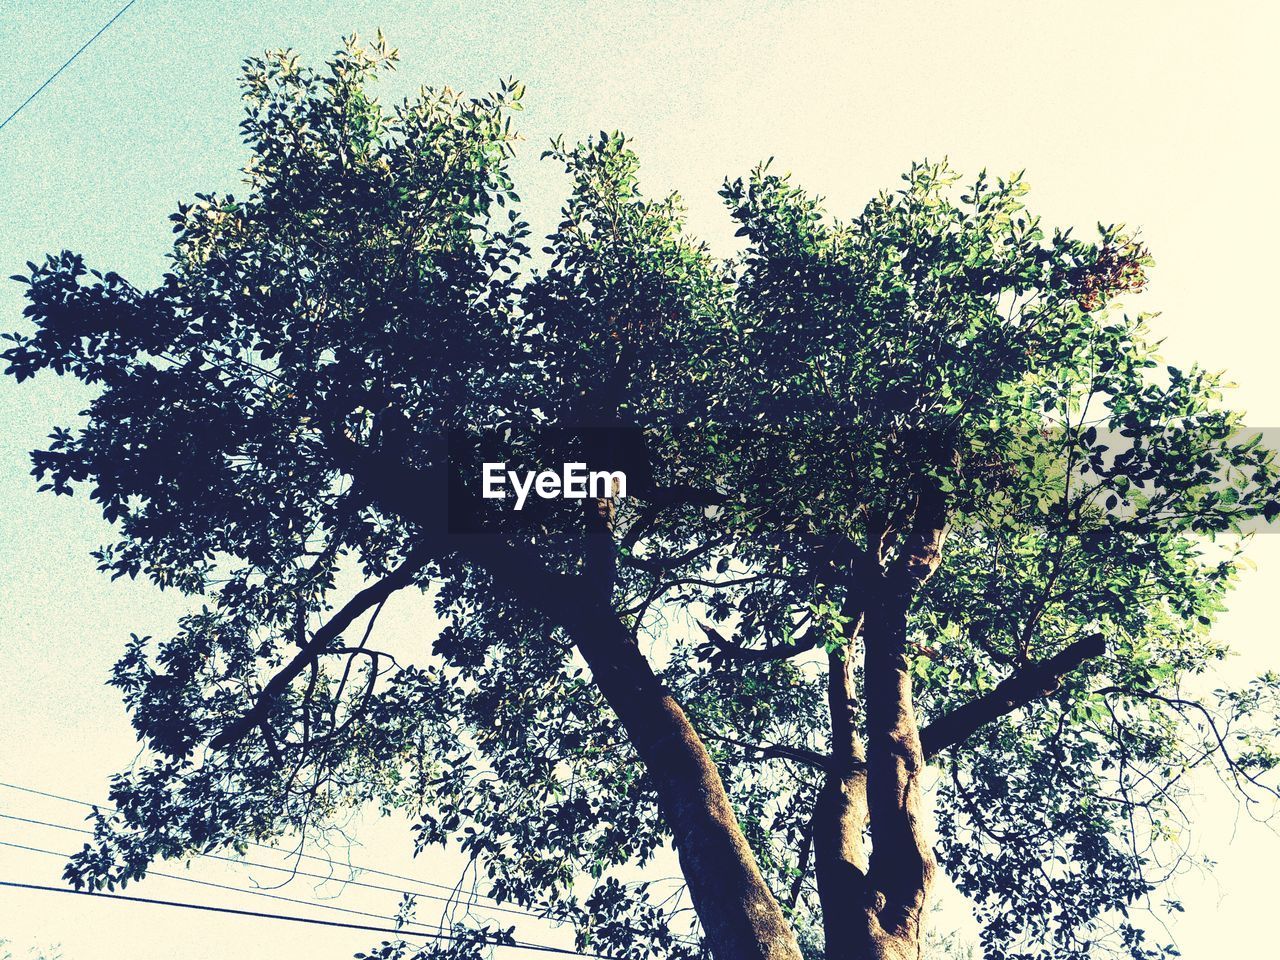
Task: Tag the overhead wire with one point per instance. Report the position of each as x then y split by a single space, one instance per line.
54 76
224 886
209 908
264 846
240 861
467 901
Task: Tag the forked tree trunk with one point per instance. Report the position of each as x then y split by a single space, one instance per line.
873 906
872 903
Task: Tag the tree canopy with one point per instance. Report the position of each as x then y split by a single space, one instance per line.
907 491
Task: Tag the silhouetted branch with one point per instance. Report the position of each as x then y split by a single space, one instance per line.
1035 681
369 597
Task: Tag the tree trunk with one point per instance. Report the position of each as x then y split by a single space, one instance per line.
901 865
739 913
839 819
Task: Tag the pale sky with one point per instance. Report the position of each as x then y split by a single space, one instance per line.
1158 114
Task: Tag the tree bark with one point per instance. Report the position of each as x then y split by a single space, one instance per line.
901 865
873 902
839 819
739 913
855 928
900 870
740 916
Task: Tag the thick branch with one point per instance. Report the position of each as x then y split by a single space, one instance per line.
772 751
734 651
1038 680
902 864
737 909
839 819
1033 682
921 551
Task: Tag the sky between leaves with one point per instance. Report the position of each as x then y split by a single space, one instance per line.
1152 113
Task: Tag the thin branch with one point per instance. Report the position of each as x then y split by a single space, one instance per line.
368 597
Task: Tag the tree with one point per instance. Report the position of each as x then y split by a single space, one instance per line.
905 490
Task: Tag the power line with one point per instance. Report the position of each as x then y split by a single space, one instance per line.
234 889
264 846
538 948
300 873
356 868
56 73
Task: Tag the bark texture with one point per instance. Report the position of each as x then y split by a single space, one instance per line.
741 917
873 901
739 912
839 821
902 865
